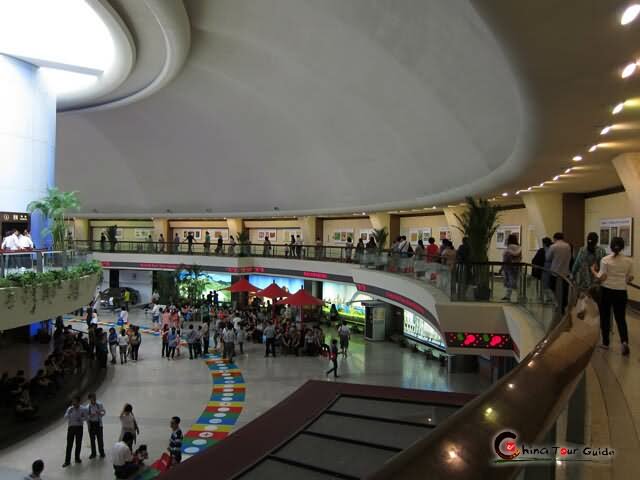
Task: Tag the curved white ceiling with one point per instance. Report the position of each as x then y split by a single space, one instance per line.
309 107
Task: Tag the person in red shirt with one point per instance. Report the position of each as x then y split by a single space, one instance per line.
432 250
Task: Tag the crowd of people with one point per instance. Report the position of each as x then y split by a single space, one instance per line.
17 241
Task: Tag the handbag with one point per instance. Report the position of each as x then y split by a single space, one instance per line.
163 463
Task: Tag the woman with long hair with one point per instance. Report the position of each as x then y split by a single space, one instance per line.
590 254
510 258
128 422
616 272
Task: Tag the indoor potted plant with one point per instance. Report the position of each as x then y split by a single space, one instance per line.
479 223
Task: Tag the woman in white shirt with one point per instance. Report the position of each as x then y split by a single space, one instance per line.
128 422
616 271
123 343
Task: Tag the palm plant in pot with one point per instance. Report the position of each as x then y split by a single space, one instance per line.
380 235
53 208
243 240
479 223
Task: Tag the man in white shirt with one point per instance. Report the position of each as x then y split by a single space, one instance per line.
95 412
76 416
24 241
10 242
559 258
236 320
123 465
298 246
229 340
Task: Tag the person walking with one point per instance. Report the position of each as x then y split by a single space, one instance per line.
197 345
511 257
113 344
228 340
76 416
161 243
175 441
616 272
102 348
123 343
155 316
136 341
164 334
37 468
205 338
333 356
232 246
172 343
191 340
241 337
269 339
589 255
95 412
207 243
190 239
345 335
559 258
128 423
176 243
219 246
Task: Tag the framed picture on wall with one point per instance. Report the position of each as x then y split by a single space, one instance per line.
416 234
270 234
504 231
341 236
140 234
220 233
444 232
617 227
364 234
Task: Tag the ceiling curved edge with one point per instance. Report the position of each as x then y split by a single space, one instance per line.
123 62
172 18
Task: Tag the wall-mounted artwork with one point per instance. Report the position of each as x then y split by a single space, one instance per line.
416 234
503 232
617 227
197 234
364 234
220 233
269 233
142 233
444 232
340 236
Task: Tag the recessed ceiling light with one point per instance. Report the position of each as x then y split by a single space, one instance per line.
593 148
618 108
505 194
629 70
605 130
557 177
433 208
518 192
542 184
568 170
630 14
577 158
529 189
363 213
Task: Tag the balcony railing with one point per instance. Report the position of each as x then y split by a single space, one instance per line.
38 260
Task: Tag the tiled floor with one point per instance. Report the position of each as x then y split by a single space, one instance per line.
158 389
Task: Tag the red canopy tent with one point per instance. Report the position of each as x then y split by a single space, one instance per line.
273 291
242 285
301 297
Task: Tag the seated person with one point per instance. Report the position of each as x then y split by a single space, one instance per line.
41 386
140 455
24 409
123 461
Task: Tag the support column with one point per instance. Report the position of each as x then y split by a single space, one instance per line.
309 229
81 229
545 212
450 215
627 167
235 225
161 226
27 139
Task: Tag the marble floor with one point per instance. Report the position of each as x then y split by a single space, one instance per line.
159 389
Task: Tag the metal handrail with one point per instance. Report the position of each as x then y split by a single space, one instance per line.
526 401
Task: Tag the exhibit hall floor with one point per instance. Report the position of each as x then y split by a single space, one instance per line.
159 389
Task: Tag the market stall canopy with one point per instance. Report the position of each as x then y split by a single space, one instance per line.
301 297
273 291
242 285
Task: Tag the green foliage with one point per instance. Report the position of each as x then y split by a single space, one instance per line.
243 240
31 279
53 208
478 222
49 281
191 282
381 235
167 288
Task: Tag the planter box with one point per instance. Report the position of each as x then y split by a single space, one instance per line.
24 306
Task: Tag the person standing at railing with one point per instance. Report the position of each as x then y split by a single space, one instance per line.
559 258
298 246
348 248
176 243
616 272
510 258
207 243
161 243
589 255
219 246
266 247
539 262
318 248
232 246
359 250
190 240
103 242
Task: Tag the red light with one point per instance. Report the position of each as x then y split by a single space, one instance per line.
495 341
469 340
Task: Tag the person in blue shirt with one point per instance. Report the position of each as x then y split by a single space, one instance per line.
172 342
76 415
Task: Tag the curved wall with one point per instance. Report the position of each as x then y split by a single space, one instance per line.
27 137
24 306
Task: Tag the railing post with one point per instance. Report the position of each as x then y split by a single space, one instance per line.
39 262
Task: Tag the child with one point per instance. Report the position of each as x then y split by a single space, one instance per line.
242 336
175 441
333 356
